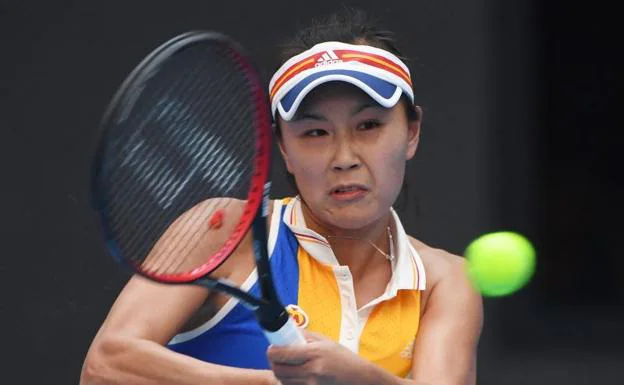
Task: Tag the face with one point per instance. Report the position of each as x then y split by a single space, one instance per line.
348 155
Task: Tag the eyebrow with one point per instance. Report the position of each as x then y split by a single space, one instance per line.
307 116
365 106
312 116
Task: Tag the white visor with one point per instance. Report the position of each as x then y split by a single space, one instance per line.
379 73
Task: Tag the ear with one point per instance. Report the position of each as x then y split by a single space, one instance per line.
413 133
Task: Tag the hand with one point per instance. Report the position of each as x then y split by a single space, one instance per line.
320 362
269 378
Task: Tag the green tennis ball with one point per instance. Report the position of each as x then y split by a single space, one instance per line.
500 263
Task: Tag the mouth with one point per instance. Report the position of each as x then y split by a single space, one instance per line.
348 191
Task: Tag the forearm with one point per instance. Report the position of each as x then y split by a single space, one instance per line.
130 361
378 376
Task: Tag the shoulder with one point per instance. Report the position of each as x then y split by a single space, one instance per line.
446 275
438 263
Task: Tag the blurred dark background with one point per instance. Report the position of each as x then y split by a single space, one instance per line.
519 134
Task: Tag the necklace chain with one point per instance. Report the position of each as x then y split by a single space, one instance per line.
389 257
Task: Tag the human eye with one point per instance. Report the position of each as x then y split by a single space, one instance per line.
314 133
369 124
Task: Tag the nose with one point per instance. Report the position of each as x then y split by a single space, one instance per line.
345 157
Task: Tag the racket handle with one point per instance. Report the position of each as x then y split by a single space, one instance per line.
289 334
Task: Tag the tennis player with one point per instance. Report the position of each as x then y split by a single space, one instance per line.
377 306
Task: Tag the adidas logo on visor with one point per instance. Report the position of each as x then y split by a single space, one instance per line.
329 57
379 73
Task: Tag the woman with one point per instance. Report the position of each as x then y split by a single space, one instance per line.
376 305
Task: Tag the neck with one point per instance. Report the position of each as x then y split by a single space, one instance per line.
356 248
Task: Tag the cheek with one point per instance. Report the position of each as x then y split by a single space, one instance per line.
308 173
388 168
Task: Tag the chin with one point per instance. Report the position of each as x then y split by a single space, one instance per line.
352 218
347 215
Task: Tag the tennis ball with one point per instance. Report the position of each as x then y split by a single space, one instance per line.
500 263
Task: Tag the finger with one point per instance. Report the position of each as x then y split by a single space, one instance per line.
290 373
288 355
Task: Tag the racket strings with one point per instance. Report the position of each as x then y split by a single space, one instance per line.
168 260
186 236
157 174
170 160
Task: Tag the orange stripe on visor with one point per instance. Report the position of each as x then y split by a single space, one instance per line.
379 73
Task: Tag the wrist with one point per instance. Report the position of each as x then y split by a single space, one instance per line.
268 378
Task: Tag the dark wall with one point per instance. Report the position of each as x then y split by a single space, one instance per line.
497 100
560 184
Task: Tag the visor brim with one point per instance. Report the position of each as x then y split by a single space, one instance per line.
380 90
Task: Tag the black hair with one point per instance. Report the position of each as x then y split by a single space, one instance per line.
349 26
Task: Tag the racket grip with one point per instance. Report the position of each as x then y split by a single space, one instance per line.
289 334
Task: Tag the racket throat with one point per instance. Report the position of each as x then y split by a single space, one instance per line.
271 317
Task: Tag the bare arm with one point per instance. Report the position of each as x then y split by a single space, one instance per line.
129 347
445 352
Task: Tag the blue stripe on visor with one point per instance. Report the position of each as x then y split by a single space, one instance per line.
383 88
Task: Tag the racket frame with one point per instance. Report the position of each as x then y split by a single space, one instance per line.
269 310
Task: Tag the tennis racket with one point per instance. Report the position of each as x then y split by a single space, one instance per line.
181 171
